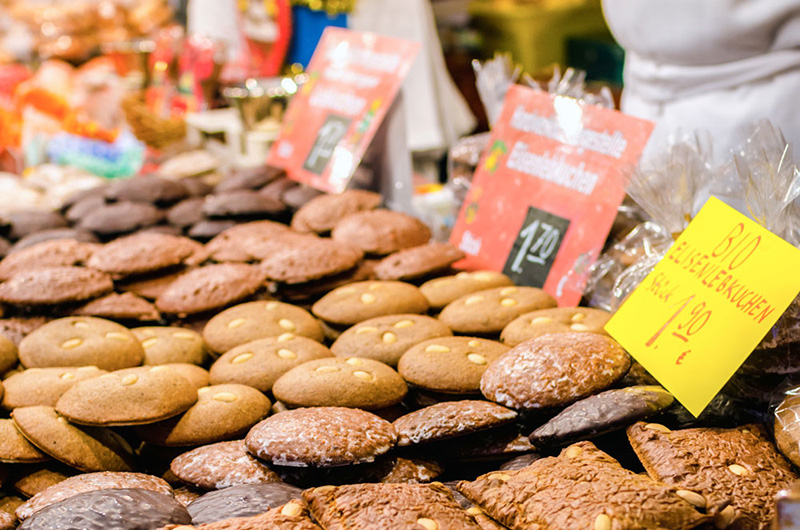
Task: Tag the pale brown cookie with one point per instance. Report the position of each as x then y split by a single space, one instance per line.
115 306
43 386
321 437
133 396
55 253
147 188
210 287
387 338
257 320
361 301
221 465
261 362
39 478
222 412
15 448
449 364
417 262
150 286
310 260
381 232
556 320
81 341
449 420
8 354
91 482
341 382
237 243
322 213
143 252
54 285
442 291
120 217
555 370
489 311
165 345
196 375
84 448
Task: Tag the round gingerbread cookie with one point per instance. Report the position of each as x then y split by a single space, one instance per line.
165 345
39 478
54 285
601 413
143 252
186 213
15 448
321 437
81 341
91 482
210 287
261 362
310 260
321 214
50 235
55 253
222 412
257 320
555 370
150 286
556 320
221 465
235 243
442 291
26 222
449 420
121 217
43 386
449 364
147 188
241 203
387 338
249 178
8 354
121 509
242 501
361 301
339 382
133 396
417 262
197 376
86 449
489 311
116 306
381 232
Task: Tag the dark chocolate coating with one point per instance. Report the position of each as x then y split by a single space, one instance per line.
241 501
601 413
115 509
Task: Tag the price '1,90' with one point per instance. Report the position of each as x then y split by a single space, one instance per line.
537 246
688 320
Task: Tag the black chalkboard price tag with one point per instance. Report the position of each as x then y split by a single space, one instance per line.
535 248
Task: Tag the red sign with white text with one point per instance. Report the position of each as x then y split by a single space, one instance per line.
353 80
547 189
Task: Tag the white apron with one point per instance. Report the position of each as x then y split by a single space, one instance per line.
714 64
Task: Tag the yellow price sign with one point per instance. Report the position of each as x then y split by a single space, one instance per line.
704 308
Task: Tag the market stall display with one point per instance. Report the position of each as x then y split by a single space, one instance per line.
188 341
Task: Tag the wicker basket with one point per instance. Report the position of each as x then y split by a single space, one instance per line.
153 130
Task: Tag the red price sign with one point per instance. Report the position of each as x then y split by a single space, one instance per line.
353 80
546 191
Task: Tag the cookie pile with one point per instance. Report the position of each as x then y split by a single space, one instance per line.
325 374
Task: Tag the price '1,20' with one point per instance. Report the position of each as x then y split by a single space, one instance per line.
536 246
688 320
